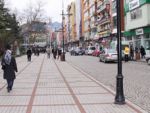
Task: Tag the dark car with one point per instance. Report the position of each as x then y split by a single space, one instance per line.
79 51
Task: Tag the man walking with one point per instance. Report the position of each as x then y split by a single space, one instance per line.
48 52
142 51
126 54
29 53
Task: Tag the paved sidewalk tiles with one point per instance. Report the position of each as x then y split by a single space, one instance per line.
48 86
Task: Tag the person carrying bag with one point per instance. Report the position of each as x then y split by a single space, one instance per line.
9 67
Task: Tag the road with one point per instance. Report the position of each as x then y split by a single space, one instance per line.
136 77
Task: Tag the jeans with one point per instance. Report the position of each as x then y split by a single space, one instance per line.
126 58
29 57
10 83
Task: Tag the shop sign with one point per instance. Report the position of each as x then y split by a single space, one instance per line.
133 4
139 31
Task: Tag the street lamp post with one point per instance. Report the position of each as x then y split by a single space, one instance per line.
63 53
119 99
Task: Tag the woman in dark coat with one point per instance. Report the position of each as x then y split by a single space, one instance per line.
142 51
9 67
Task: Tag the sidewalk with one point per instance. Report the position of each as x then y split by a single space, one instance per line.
48 86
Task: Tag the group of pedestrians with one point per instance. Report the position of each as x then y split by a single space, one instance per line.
56 53
134 53
9 65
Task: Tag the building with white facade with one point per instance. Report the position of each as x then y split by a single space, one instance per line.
137 23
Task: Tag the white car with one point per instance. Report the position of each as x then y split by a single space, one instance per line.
147 57
90 50
108 56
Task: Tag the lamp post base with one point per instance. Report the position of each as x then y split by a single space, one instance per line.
63 57
119 99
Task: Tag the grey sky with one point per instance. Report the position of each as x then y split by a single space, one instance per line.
53 8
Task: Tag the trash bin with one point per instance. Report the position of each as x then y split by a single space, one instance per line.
137 56
62 58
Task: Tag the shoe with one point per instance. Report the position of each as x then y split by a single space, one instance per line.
8 90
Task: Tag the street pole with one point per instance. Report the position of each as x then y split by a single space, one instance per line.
119 99
63 53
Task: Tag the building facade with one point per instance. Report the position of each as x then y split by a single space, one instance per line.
137 23
73 22
78 21
88 21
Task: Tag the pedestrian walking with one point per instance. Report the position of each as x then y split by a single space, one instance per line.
131 53
54 51
48 52
59 52
37 51
29 53
9 67
126 54
142 51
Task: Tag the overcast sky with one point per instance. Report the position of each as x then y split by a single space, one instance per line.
53 8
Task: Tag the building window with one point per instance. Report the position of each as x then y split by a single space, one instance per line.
147 44
135 14
115 22
114 7
147 35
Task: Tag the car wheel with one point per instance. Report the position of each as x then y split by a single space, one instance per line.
100 60
105 61
148 62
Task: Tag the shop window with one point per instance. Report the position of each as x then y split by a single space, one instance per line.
128 38
147 44
147 35
138 43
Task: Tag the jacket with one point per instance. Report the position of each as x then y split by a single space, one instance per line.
9 70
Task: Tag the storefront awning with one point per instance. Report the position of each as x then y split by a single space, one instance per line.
133 32
129 33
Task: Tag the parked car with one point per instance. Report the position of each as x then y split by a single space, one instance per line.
72 51
79 51
90 50
108 55
147 57
96 53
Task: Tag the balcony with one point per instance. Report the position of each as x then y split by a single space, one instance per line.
102 6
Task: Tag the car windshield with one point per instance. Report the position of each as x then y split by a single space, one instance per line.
92 48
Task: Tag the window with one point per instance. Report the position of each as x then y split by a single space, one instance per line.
114 7
147 44
147 35
135 14
115 22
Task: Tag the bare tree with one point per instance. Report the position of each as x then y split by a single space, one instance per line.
34 12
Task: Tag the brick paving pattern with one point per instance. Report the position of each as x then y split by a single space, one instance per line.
136 77
48 86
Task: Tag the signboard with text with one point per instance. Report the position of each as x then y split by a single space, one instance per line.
133 4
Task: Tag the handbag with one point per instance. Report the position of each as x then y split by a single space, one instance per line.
3 65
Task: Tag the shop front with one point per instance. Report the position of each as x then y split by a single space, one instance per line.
139 37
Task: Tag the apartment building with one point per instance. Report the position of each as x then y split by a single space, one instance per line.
137 23
78 10
71 27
